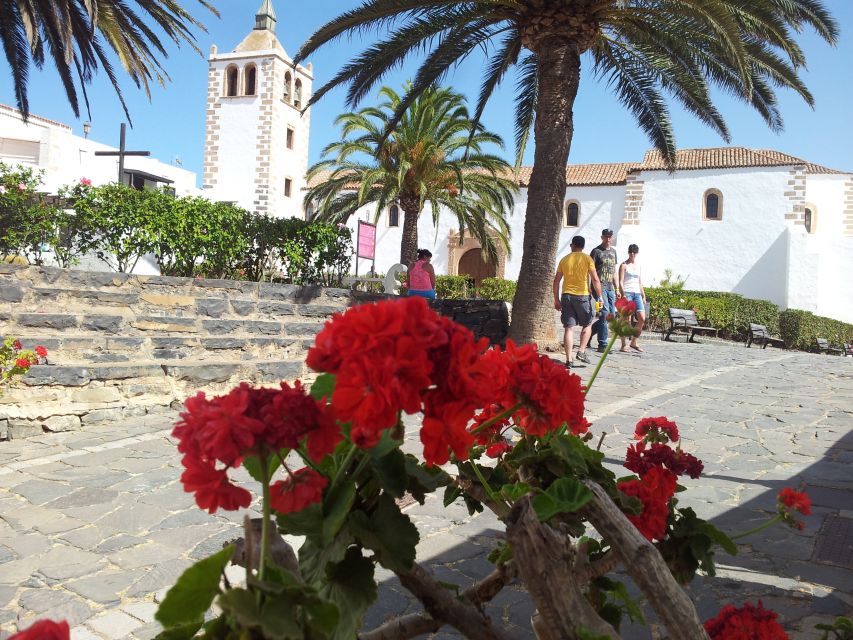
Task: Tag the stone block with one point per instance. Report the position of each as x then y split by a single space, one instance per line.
203 373
124 299
260 326
122 344
302 328
235 285
4 429
274 371
267 308
47 320
96 278
219 327
168 354
166 300
19 428
95 395
165 323
53 374
124 372
173 343
319 310
338 294
51 344
243 307
103 415
103 323
62 423
11 293
214 344
268 291
212 307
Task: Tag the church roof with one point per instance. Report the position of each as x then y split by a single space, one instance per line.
579 175
727 158
260 40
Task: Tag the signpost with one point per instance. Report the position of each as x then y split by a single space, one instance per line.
366 244
122 153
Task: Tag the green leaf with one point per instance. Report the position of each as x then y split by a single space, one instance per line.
500 554
351 586
253 465
451 493
388 532
515 491
277 620
323 386
336 506
323 616
586 634
571 450
720 538
423 479
180 632
386 445
390 471
565 495
315 557
190 598
308 522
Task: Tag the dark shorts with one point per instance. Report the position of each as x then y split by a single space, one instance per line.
576 310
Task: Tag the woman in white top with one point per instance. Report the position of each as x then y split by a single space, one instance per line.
631 286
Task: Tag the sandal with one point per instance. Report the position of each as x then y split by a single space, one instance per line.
623 349
636 348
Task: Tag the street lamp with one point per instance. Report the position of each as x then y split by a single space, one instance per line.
87 127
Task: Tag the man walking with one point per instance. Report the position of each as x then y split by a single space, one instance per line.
604 256
575 271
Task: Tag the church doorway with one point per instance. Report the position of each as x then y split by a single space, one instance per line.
472 264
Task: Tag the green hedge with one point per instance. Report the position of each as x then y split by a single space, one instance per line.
454 287
729 312
800 328
497 289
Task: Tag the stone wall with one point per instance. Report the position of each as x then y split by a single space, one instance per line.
122 345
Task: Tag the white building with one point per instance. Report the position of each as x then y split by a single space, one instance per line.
256 146
65 158
755 222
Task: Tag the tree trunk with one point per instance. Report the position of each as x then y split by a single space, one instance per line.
559 76
409 244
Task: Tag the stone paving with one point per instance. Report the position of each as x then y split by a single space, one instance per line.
94 525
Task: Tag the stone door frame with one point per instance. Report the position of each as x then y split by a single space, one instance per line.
455 251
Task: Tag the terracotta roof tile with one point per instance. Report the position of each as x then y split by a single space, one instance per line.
728 158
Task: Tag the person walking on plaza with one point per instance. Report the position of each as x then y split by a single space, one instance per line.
604 256
631 286
421 276
576 270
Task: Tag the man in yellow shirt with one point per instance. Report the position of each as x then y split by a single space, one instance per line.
576 271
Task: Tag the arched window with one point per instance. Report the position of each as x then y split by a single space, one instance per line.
288 79
231 75
712 205
573 214
297 93
810 218
250 80
394 216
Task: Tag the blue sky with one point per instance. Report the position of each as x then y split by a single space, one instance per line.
171 125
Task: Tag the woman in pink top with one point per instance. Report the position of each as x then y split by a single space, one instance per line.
421 276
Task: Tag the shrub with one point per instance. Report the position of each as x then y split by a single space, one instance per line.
497 289
453 287
315 253
800 328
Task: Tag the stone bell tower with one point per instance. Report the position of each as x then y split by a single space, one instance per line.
256 143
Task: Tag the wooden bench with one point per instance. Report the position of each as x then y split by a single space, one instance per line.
758 333
823 346
686 319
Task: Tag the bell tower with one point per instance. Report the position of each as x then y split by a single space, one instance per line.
256 139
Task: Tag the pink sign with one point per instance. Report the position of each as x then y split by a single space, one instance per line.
366 240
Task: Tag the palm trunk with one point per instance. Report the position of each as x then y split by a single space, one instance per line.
559 77
409 244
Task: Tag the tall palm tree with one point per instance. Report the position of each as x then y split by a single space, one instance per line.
646 49
432 154
72 34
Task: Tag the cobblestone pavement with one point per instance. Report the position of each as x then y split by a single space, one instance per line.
94 525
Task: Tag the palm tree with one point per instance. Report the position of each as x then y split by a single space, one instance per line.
72 34
432 154
646 49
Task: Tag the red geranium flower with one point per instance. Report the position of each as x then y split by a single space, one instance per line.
797 500
444 428
639 458
41 352
493 432
211 486
498 449
44 630
745 623
22 363
303 488
17 346
626 307
656 430
654 490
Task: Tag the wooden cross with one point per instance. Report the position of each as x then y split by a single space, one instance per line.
122 153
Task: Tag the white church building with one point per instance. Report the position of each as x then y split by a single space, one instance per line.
756 222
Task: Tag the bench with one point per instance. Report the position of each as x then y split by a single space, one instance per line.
823 346
758 333
686 319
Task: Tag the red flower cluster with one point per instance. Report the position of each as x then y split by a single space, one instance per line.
303 488
656 430
639 458
247 421
400 356
620 323
654 490
745 623
625 307
41 352
44 630
22 363
789 501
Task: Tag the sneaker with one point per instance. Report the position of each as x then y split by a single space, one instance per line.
583 357
602 349
570 364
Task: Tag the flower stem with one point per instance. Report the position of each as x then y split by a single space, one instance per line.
600 362
494 497
760 527
502 416
343 468
265 523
